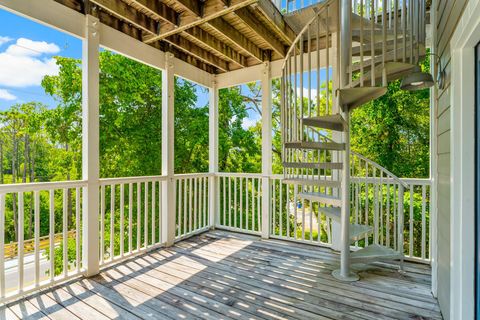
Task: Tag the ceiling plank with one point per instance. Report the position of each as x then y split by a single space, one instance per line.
253 23
213 9
238 38
159 9
196 51
225 51
129 14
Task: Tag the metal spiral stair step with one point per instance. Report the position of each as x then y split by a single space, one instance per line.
355 97
332 122
316 165
313 182
315 145
359 231
332 212
375 252
323 198
395 70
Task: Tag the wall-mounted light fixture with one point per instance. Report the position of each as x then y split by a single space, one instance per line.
418 80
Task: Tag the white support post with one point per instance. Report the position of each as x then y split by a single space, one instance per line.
90 145
266 148
213 155
168 185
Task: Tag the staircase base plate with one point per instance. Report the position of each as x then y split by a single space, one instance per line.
352 277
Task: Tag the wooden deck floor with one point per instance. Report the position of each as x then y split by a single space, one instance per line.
222 275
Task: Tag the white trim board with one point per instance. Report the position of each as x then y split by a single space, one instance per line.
462 245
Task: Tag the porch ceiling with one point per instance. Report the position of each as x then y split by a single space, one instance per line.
214 35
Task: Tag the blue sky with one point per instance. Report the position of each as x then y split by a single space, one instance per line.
26 55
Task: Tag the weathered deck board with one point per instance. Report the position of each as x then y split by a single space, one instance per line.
222 275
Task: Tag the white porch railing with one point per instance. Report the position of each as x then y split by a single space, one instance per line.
135 225
296 221
192 205
240 196
54 225
130 216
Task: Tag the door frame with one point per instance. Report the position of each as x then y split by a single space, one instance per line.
462 167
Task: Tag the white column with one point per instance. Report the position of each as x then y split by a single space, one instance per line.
90 145
266 148
344 273
213 155
168 117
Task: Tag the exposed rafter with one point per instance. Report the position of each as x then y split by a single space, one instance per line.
129 14
238 38
276 20
194 7
213 9
253 23
197 52
159 9
225 51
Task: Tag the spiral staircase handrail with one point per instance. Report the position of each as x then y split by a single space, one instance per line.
326 4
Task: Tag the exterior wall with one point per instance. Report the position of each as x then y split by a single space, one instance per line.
447 15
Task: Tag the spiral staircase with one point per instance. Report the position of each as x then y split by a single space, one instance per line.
341 59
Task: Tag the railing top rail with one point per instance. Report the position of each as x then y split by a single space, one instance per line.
108 181
239 174
192 175
39 186
376 165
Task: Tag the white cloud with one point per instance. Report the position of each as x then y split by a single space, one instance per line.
5 95
4 40
22 64
27 47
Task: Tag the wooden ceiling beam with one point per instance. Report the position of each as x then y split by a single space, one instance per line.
276 20
212 9
222 49
238 38
160 10
257 26
194 7
196 51
129 14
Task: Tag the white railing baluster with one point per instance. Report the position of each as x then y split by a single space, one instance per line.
154 227
2 246
112 220
424 227
78 256
122 219
102 224
65 233
52 233
130 217
235 203
36 234
410 228
139 220
145 215
20 247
